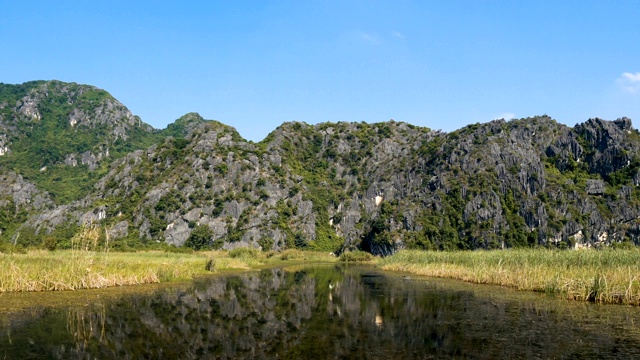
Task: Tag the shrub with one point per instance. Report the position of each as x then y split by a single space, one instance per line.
177 250
356 256
266 243
245 253
49 243
200 238
291 254
7 248
623 245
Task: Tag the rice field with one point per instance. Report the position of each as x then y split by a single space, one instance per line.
603 276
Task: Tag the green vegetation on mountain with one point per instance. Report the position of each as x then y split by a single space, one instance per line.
71 155
60 124
183 126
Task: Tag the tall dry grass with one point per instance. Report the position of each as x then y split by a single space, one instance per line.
89 266
605 276
71 270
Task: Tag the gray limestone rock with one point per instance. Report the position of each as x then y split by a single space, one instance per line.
595 187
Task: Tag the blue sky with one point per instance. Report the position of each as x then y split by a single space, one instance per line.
256 64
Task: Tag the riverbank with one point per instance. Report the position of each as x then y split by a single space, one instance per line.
603 276
41 270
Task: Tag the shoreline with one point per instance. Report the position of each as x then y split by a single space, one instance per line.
597 276
69 270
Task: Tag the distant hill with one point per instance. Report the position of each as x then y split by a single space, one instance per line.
73 156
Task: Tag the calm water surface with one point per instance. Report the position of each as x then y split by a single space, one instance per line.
318 312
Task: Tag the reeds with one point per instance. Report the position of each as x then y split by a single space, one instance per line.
603 276
71 270
84 268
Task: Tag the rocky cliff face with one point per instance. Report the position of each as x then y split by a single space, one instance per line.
337 186
53 132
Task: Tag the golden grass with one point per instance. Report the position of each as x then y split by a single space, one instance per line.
81 269
604 276
70 270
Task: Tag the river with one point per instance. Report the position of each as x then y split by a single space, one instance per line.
313 312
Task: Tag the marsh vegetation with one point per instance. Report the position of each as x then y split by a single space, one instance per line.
603 276
41 270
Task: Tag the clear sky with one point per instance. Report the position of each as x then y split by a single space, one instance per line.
255 64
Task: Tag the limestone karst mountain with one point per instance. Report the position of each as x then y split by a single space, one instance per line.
71 155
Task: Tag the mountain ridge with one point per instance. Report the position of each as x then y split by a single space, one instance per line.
339 186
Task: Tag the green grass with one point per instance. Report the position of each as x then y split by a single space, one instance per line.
604 276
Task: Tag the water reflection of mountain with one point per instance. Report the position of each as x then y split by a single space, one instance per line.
319 313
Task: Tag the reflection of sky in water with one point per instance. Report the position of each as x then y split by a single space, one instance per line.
323 312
